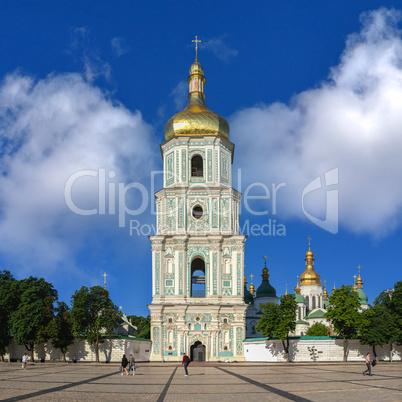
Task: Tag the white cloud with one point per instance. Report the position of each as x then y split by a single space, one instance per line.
179 93
353 121
219 48
94 66
50 129
119 46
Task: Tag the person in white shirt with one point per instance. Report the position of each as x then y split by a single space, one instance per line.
368 364
24 360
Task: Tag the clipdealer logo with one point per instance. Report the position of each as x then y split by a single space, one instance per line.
109 191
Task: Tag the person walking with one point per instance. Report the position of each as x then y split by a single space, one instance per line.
185 362
24 361
368 364
124 363
131 364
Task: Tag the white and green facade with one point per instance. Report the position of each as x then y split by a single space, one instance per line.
197 253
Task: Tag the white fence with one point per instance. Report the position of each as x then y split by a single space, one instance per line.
109 351
324 350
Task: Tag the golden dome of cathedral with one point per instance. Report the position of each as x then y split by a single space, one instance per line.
309 276
196 119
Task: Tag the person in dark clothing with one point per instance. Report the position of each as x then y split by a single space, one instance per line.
185 362
124 363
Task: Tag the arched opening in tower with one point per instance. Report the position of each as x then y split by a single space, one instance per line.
198 278
197 169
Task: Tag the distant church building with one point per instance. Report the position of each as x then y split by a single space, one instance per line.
266 293
197 253
311 298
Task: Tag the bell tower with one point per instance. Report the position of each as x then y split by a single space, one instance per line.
197 253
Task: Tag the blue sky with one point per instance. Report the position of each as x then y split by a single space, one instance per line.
307 87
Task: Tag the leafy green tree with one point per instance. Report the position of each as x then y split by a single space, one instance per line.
279 320
61 329
382 327
143 325
94 315
30 321
8 303
344 313
395 305
318 329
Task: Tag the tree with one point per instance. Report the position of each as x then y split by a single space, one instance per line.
61 329
344 313
94 315
395 305
279 320
143 325
382 327
318 329
30 321
8 304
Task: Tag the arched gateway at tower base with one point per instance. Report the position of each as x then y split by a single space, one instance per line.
197 253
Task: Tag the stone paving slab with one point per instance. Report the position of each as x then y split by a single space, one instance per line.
223 382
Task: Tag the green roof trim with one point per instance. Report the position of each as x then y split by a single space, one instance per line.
131 338
302 322
316 314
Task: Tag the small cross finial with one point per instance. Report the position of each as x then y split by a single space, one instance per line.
197 41
251 276
334 284
325 284
104 281
359 269
265 260
309 240
354 282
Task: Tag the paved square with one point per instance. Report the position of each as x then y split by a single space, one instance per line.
223 382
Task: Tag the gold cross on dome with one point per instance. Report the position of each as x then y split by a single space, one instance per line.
354 282
251 276
309 240
104 282
197 41
359 269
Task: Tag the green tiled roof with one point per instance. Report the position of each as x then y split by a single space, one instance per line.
316 314
266 290
248 297
363 296
302 322
300 298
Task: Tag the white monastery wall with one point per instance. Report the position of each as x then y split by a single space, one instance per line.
109 351
327 350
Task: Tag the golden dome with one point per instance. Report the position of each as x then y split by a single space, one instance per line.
245 281
359 280
196 119
309 276
297 288
325 294
196 68
252 289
